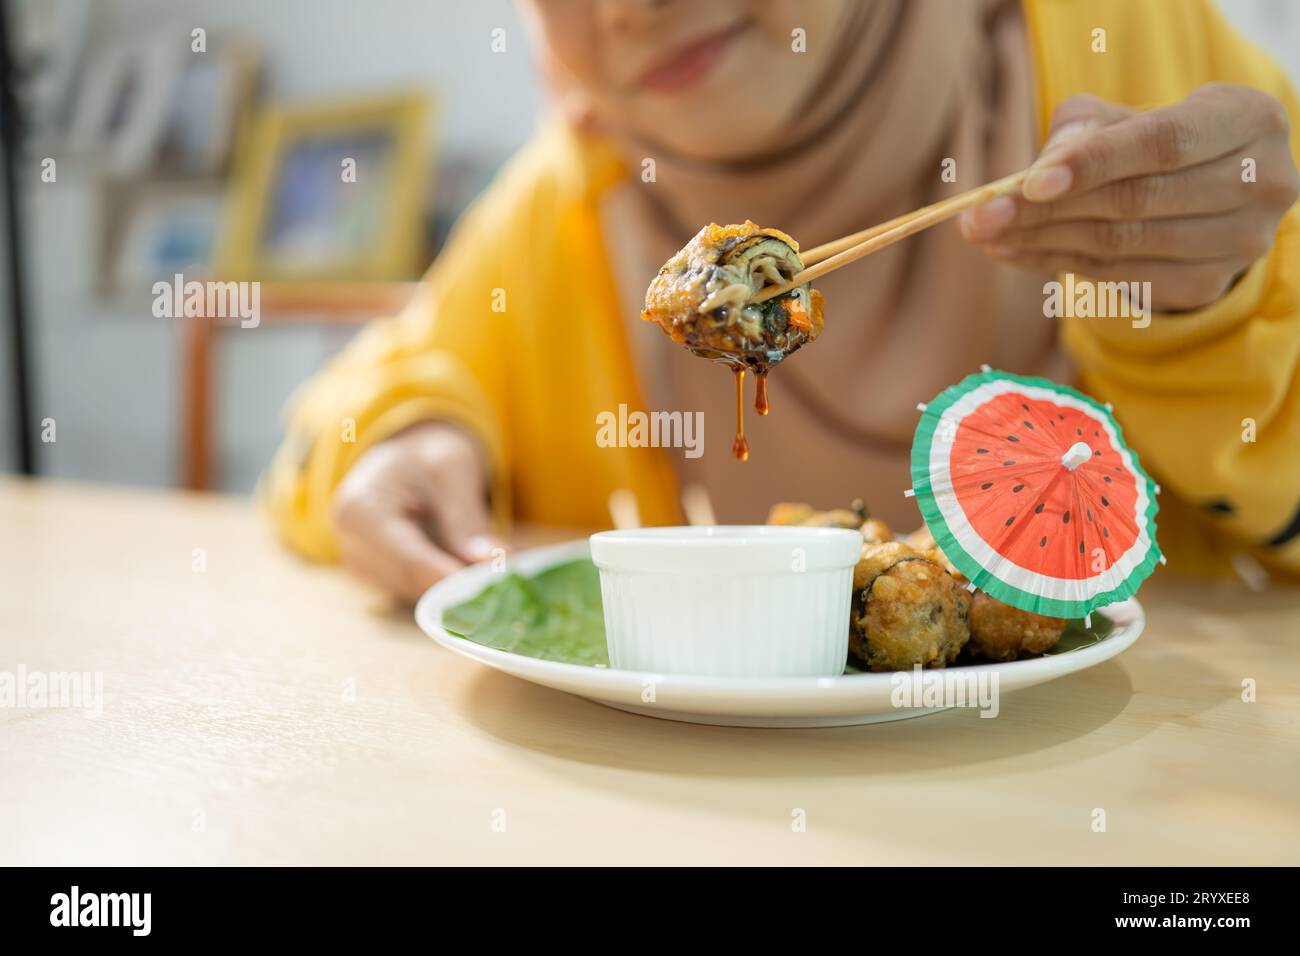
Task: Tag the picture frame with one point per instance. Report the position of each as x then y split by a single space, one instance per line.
295 215
123 105
211 94
165 228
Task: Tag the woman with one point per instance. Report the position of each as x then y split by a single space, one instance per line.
821 118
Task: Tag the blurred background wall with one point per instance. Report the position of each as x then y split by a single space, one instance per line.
104 368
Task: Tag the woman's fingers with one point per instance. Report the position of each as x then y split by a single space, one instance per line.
1185 197
413 509
1212 122
1174 287
452 487
1195 239
1214 187
460 513
1078 116
1075 119
392 551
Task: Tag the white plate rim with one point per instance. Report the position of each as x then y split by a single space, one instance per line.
790 696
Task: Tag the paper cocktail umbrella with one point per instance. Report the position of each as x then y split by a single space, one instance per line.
1030 491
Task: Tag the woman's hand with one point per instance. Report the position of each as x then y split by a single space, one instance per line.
424 485
1165 196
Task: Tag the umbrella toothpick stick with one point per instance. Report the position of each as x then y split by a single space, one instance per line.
1077 454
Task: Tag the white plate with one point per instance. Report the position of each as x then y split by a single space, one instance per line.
740 702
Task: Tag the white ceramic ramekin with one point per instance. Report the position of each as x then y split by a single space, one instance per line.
743 601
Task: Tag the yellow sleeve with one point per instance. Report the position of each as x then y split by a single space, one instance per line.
1211 399
518 337
439 359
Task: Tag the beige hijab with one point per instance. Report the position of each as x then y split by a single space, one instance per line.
914 82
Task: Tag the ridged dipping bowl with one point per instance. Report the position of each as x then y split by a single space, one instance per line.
727 601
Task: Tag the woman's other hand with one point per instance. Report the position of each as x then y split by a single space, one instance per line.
413 509
1186 197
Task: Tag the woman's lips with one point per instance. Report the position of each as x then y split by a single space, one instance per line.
689 64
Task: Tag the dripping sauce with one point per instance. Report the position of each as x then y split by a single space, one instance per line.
740 447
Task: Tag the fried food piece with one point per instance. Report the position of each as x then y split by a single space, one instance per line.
835 518
907 610
922 540
877 558
1001 632
701 297
855 517
875 531
789 513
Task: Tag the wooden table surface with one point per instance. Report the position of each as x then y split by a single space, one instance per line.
265 711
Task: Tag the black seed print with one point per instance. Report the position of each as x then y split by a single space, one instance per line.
1104 502
1029 425
1011 519
1024 406
1078 431
1052 422
981 451
1012 438
1018 488
1007 463
1097 434
1042 542
986 486
1038 510
1096 454
1081 547
1065 518
1105 532
1106 478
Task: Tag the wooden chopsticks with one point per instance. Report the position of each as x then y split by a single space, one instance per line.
696 505
832 255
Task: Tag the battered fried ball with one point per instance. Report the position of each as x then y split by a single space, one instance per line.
853 518
1001 632
875 531
790 513
907 610
922 540
835 518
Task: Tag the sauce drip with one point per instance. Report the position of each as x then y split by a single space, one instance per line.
761 404
740 447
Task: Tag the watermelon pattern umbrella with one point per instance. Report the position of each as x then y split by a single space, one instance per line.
1029 490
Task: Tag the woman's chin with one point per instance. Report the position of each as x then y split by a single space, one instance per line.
717 139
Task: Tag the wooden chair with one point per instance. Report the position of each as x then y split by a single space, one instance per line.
283 303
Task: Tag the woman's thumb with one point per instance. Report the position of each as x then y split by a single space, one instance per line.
1078 116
